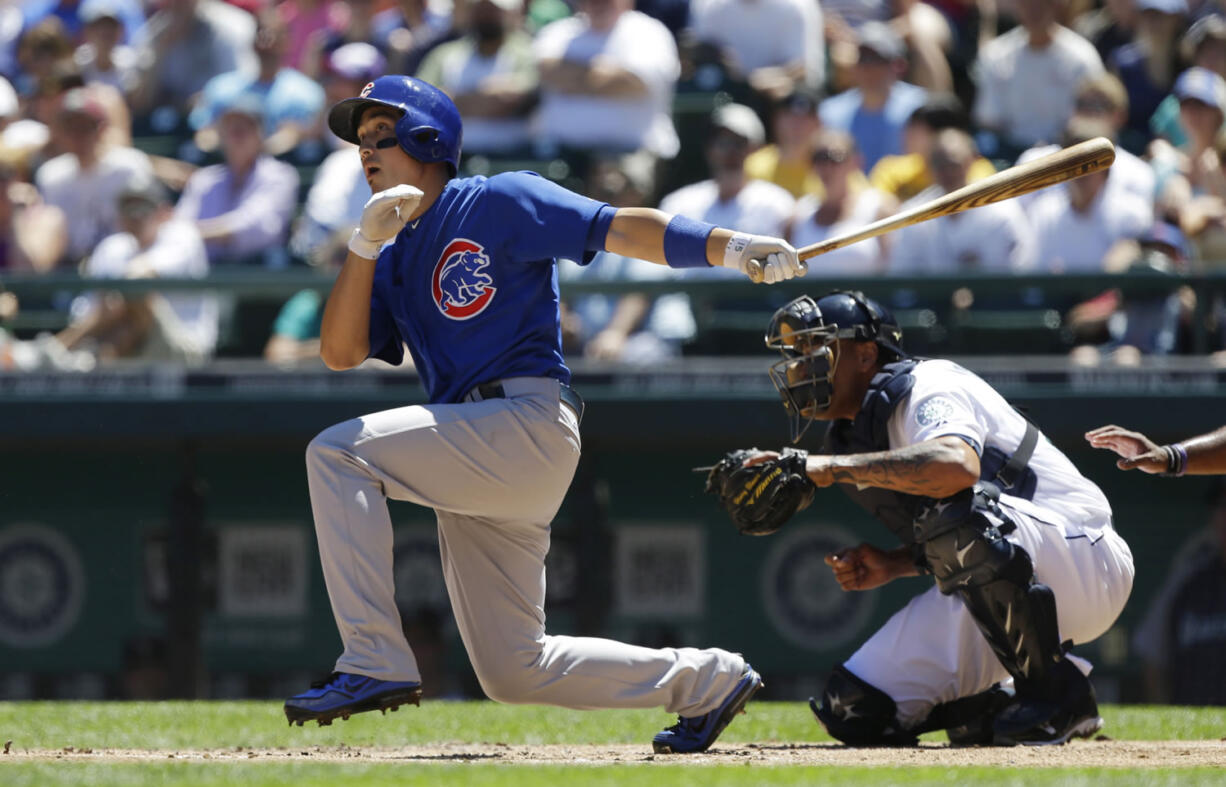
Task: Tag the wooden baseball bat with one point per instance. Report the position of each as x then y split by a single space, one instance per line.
1071 162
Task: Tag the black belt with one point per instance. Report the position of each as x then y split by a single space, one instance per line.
569 396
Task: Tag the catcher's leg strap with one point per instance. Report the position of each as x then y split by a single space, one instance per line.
964 545
968 720
858 713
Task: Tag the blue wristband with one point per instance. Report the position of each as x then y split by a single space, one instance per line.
685 243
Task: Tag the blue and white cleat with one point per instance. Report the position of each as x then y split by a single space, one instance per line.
697 733
344 694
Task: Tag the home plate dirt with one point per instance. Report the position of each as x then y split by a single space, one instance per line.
1078 754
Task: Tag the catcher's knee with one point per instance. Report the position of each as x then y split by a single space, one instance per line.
965 547
858 713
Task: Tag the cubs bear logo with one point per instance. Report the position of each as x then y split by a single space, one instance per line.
460 285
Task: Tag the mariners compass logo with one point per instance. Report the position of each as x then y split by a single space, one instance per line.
460 285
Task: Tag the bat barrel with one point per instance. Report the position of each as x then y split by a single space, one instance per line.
1071 162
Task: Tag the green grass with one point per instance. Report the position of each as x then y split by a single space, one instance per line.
219 725
226 725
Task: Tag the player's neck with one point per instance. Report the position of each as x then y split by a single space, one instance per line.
433 182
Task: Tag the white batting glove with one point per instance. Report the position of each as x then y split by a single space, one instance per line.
763 258
384 216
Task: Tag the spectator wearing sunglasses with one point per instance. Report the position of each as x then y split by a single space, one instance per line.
848 202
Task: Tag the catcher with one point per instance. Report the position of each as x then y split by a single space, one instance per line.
1025 560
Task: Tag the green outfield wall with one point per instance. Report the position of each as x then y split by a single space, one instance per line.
156 521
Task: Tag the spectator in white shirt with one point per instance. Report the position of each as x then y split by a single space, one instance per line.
994 238
86 179
607 81
151 243
1028 78
1084 227
1102 98
774 45
729 198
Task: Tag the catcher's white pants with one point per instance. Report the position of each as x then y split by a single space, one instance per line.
931 651
495 472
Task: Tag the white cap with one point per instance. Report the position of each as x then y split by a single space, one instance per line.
740 120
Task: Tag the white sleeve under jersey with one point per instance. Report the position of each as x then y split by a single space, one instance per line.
950 400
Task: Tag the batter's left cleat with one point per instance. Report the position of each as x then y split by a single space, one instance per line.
344 694
697 733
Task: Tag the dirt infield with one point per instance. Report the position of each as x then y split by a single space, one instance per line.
1079 754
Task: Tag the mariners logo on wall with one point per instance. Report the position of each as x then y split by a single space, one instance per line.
460 284
42 586
803 600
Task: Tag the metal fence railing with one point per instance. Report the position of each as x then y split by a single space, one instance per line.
924 304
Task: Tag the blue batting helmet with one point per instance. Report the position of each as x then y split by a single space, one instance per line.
429 128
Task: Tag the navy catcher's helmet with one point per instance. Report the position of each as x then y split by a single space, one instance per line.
806 331
429 128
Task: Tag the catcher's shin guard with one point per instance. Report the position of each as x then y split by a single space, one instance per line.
964 545
858 713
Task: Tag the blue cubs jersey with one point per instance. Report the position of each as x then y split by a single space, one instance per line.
471 286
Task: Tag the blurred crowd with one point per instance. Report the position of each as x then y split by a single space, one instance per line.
172 138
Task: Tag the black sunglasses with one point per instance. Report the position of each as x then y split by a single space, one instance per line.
828 156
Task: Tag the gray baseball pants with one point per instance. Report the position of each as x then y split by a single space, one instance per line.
495 472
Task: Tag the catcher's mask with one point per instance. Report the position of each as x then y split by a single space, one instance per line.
806 332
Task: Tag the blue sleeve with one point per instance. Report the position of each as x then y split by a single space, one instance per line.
544 220
385 341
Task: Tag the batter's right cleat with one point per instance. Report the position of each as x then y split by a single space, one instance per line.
697 733
344 694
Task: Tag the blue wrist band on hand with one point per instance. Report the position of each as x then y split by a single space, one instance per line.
685 243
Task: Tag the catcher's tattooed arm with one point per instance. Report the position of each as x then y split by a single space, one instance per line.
938 468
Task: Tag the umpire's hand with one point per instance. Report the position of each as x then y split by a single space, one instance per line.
1137 450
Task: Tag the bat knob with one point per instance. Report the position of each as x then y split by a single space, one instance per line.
754 270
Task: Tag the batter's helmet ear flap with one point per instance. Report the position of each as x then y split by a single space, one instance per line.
429 128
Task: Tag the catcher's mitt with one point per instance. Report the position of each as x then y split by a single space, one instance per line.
762 497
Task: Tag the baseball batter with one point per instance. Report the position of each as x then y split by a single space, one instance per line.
462 272
1021 545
